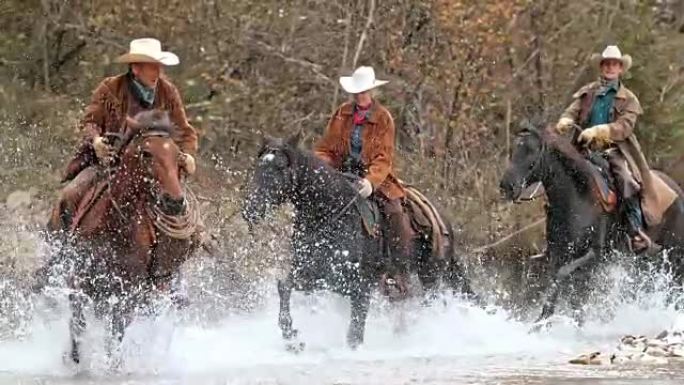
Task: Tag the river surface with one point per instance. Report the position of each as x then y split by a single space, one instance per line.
450 342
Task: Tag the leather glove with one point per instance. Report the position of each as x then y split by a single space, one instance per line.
564 125
364 187
187 162
598 136
103 151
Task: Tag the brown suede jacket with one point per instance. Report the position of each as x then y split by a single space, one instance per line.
378 146
110 104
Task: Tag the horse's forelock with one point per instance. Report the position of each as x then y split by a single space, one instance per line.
153 121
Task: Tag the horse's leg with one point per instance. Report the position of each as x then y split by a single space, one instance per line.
585 269
285 288
427 269
360 302
560 279
121 313
551 297
579 293
77 324
284 317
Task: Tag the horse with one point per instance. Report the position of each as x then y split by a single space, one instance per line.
132 231
331 247
581 227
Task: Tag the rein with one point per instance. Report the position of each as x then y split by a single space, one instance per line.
346 207
178 227
533 167
336 214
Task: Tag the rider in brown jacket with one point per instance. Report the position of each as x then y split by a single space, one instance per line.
116 99
360 139
607 112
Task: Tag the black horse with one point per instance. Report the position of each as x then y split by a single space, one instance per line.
331 247
581 230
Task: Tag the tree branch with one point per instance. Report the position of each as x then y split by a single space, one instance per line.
345 53
315 68
508 237
364 33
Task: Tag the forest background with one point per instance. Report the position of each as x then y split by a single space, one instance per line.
464 77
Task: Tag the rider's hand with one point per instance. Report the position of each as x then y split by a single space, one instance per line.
364 187
564 125
103 151
187 163
597 136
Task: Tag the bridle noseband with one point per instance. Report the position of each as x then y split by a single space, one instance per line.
538 162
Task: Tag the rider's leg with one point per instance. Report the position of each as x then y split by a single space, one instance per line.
399 235
72 193
629 189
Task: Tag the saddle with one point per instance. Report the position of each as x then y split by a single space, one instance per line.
603 185
426 220
91 196
370 216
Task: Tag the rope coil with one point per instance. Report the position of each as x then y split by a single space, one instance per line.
182 226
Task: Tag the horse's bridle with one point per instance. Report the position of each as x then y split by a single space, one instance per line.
175 226
537 163
291 169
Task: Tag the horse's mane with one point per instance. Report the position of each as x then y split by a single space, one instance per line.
571 157
152 121
334 180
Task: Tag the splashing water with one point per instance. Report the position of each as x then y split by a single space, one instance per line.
451 341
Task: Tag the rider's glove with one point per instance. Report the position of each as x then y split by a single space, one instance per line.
564 125
364 187
187 163
597 136
103 151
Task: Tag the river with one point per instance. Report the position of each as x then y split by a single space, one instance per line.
450 342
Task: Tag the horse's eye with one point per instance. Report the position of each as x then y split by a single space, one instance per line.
146 155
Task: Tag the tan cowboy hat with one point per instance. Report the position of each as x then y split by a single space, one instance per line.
613 52
363 79
147 50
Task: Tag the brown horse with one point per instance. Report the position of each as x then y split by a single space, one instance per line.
132 231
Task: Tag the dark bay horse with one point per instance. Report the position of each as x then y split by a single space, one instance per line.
580 232
331 248
132 234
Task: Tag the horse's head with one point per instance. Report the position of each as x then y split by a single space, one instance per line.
525 164
273 182
154 161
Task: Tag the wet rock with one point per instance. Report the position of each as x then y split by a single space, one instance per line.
588 359
665 348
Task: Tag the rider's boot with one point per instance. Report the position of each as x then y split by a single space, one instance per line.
641 242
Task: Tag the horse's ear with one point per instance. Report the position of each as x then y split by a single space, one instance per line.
266 140
294 140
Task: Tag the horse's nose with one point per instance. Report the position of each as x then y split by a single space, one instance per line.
507 189
504 187
171 205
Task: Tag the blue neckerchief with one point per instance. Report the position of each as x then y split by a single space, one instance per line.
144 94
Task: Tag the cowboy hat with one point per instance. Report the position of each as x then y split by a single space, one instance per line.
147 50
363 79
613 52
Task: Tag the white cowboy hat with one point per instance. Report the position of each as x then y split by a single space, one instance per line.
613 52
147 50
363 79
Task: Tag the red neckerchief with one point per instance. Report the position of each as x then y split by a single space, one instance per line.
360 114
